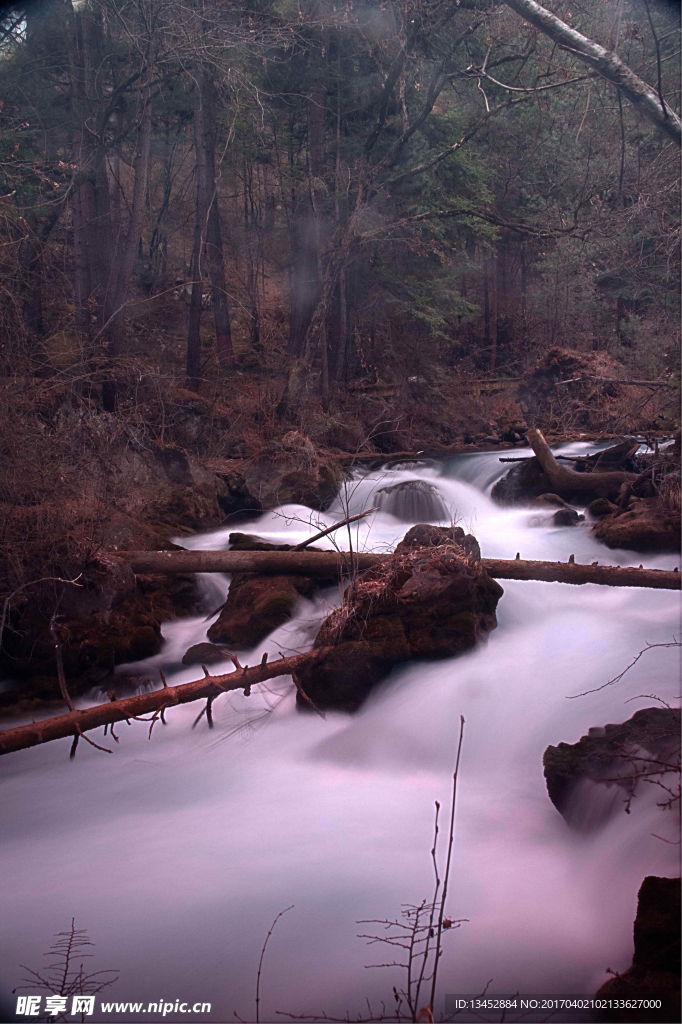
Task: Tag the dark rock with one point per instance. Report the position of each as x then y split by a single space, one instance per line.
522 482
426 536
567 517
655 971
292 471
255 606
251 542
609 756
110 618
206 654
548 501
601 507
491 440
430 601
413 501
645 526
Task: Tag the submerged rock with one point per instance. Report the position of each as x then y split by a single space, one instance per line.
655 971
413 501
431 600
612 757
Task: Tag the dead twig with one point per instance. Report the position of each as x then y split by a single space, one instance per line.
330 529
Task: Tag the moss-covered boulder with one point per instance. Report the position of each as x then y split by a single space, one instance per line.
431 600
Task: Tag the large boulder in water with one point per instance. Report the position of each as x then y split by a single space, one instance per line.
616 757
522 484
431 600
655 972
413 501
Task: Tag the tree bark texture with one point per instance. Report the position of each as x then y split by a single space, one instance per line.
329 564
606 62
567 480
214 240
80 721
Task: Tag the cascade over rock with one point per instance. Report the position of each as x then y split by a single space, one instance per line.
413 500
615 756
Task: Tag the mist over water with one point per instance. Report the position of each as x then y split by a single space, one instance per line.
176 854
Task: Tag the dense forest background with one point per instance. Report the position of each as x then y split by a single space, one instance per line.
222 222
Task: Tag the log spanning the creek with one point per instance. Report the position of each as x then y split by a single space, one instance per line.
153 703
329 564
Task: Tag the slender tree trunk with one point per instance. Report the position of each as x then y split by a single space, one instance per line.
214 242
493 313
200 225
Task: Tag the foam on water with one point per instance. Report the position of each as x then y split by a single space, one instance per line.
176 854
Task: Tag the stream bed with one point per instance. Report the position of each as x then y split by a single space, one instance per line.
176 854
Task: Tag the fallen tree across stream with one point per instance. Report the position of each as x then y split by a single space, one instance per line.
154 703
328 564
569 481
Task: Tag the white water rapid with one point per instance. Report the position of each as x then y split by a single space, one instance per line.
177 853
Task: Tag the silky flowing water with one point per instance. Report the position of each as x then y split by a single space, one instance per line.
177 853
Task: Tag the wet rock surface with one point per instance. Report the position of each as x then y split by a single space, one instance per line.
615 756
644 526
255 606
206 654
431 600
601 507
412 500
655 970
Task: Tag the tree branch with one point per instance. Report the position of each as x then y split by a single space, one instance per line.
607 63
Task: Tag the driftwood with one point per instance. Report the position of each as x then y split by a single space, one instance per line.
77 722
328 564
569 481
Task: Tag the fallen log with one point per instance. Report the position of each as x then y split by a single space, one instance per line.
156 702
329 563
568 481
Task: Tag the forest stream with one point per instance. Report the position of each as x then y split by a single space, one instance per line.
177 853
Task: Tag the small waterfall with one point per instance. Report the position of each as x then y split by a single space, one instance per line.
413 501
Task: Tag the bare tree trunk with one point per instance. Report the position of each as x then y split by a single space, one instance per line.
200 225
214 241
31 259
